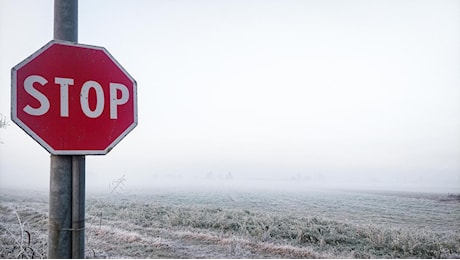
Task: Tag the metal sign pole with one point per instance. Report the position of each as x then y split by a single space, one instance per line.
60 208
66 234
78 206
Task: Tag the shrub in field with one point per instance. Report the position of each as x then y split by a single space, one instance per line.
16 239
3 124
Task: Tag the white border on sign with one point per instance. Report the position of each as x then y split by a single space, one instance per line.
37 138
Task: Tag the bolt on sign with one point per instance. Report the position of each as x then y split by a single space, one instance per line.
73 99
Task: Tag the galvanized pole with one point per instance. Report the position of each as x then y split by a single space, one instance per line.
66 20
67 173
78 206
60 211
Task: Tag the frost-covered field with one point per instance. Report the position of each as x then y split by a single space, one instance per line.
226 222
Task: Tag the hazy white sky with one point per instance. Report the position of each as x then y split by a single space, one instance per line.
358 90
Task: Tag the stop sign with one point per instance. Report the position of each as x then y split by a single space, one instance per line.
73 98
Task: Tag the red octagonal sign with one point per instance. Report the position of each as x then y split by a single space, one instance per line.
73 98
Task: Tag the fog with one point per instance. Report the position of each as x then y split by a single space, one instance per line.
276 94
